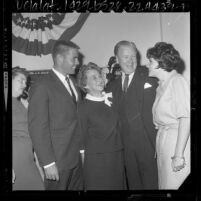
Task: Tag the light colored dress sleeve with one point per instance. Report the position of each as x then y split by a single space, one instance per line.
181 97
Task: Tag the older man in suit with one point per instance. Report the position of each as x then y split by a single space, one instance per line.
53 122
134 94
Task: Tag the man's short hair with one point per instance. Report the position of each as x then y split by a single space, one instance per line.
124 43
61 46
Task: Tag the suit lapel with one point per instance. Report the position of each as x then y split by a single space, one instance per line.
61 86
119 88
137 85
76 88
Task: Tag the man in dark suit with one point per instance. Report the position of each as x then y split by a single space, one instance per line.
134 94
53 122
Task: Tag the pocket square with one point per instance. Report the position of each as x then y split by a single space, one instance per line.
147 85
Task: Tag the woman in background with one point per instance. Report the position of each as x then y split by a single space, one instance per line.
26 175
171 114
103 156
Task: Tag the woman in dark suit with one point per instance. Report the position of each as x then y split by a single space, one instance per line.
103 152
26 176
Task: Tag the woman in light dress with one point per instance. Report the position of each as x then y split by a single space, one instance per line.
171 114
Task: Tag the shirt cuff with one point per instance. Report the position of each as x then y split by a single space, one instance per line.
46 166
82 151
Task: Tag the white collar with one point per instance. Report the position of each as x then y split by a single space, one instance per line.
102 98
59 75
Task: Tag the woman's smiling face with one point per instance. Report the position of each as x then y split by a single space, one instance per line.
153 67
95 81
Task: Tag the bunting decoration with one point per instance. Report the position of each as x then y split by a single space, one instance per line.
35 33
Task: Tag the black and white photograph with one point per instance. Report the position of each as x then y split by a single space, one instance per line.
100 102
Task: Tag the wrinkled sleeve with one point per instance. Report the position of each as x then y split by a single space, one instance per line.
181 97
82 116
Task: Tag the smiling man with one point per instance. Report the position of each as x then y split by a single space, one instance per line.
134 94
53 123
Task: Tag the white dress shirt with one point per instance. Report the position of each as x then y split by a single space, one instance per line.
63 80
130 77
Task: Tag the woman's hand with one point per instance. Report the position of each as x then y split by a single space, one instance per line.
13 177
178 163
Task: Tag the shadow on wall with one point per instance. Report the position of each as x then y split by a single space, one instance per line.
80 59
138 56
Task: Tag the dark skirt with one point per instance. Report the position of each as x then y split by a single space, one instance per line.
26 171
104 171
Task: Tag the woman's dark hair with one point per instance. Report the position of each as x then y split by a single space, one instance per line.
17 70
25 94
82 75
167 56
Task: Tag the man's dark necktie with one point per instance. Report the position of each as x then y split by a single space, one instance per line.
72 92
125 84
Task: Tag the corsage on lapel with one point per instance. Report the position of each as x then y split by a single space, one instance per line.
147 85
106 96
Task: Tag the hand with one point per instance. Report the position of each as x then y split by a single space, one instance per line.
82 156
13 177
52 173
178 163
